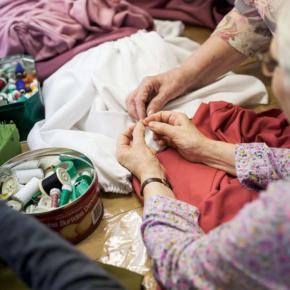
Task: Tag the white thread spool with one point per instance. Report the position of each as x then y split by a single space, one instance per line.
24 195
30 164
25 175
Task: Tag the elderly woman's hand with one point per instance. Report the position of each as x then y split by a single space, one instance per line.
177 131
136 156
154 92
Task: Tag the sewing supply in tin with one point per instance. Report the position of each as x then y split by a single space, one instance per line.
14 204
54 194
69 167
35 198
3 83
55 180
30 164
17 80
9 187
82 184
19 70
44 203
65 180
25 194
25 175
65 194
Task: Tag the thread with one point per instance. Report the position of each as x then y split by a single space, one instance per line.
25 194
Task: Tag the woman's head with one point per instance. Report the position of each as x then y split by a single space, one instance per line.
280 49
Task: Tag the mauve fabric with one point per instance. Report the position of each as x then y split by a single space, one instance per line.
218 195
47 67
48 28
206 13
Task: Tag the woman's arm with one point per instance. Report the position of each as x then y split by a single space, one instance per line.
250 252
257 164
241 33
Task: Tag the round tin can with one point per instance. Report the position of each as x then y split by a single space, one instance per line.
78 219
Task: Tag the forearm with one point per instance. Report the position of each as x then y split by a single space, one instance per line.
220 155
214 58
155 188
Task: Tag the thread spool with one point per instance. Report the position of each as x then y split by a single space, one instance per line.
9 187
25 194
44 203
82 184
54 194
69 167
30 164
36 197
65 194
14 204
55 180
3 83
19 69
20 85
25 175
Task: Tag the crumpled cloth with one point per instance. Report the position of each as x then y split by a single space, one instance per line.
219 196
47 28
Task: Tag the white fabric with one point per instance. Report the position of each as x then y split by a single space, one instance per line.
85 99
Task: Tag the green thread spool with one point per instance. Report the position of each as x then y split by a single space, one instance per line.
65 194
69 167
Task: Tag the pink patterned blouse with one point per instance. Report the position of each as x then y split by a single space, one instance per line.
252 251
249 26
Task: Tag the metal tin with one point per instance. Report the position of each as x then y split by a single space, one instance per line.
77 219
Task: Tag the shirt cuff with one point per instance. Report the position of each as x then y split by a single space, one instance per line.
173 211
253 165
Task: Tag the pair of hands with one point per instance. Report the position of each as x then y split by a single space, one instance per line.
170 129
155 92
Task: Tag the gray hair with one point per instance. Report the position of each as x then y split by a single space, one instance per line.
283 42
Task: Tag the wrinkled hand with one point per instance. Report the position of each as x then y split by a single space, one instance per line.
136 156
154 93
177 131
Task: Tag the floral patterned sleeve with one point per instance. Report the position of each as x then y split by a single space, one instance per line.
245 28
233 256
257 164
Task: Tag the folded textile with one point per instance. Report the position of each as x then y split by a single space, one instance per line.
85 100
206 13
218 195
47 28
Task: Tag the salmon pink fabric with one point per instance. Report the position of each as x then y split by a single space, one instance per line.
218 195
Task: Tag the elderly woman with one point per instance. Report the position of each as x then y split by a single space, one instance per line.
243 32
252 251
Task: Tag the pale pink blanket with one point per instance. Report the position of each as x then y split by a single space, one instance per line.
47 28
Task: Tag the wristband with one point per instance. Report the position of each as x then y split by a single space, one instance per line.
154 179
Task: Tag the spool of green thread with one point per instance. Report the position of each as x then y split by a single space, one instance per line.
69 167
81 185
65 194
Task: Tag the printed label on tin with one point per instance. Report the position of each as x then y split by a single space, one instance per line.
97 212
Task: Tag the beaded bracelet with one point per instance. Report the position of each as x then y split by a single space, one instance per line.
154 179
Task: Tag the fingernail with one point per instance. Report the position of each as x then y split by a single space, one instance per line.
150 113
